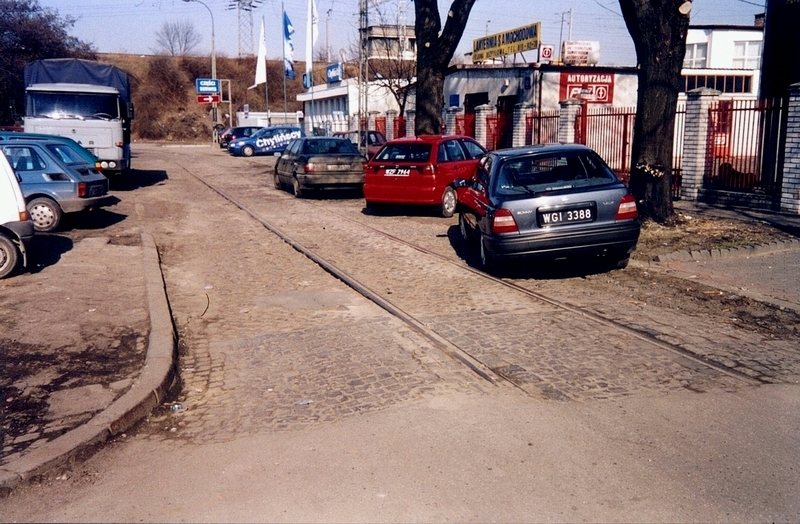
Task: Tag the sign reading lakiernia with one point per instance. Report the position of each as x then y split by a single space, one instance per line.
207 86
506 43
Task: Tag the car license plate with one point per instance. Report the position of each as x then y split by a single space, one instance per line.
566 216
338 167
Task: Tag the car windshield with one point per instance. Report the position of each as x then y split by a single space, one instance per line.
405 152
553 172
329 147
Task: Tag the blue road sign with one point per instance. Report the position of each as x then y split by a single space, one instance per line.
207 86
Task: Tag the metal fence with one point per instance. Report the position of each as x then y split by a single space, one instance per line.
744 138
541 127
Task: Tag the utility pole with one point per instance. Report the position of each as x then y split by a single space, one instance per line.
328 36
363 80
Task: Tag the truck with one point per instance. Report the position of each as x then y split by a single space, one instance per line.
85 100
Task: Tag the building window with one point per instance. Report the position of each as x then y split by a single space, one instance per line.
746 55
723 83
696 56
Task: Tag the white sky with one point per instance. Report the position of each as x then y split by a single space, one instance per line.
129 26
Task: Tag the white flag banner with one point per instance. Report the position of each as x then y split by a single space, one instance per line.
261 62
288 47
312 31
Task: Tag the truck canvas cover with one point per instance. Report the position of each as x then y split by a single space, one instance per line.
77 71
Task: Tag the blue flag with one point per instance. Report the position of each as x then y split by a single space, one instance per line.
288 47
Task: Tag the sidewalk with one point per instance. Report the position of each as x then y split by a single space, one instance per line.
147 389
769 273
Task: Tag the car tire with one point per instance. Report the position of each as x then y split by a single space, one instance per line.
277 181
449 202
488 262
463 228
45 213
9 256
247 151
296 189
621 262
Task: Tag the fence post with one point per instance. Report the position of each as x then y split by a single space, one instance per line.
391 114
521 113
566 120
695 140
450 119
790 188
481 136
410 115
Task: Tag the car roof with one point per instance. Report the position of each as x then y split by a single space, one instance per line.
430 139
538 149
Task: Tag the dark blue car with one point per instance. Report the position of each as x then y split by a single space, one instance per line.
268 141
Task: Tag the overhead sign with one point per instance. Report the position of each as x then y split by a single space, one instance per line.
207 86
333 73
207 99
580 52
517 40
592 87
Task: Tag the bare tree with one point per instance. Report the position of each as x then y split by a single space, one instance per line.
392 63
177 38
658 29
434 52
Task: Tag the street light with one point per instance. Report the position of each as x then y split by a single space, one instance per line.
213 56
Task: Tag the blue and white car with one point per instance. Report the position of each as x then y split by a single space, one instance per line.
268 141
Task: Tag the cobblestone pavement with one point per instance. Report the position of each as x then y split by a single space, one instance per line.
548 352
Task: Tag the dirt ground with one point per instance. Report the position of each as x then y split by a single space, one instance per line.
73 350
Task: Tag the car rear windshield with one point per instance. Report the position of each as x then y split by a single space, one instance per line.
329 147
554 172
405 153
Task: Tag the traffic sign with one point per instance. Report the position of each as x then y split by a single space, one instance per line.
207 86
207 99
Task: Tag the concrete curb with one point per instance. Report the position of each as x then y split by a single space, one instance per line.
147 391
778 245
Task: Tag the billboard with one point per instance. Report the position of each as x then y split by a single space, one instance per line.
590 86
516 40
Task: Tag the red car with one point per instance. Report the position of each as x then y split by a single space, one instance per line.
421 170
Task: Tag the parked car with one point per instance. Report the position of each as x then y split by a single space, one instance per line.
420 170
16 228
266 141
235 133
375 140
547 201
319 162
54 180
81 151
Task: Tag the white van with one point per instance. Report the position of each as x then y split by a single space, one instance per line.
16 227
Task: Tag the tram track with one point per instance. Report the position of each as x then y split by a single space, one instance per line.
493 374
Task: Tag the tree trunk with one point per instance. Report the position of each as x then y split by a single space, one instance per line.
658 30
434 52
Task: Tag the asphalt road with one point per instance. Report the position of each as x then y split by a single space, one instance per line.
302 401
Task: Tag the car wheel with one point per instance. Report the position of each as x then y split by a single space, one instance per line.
9 256
448 202
45 213
247 151
298 191
621 262
463 228
488 262
277 181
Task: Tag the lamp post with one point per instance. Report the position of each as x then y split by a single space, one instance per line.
213 57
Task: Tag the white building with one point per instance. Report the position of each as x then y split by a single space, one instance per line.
723 57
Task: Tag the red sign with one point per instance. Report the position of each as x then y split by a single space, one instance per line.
590 86
207 99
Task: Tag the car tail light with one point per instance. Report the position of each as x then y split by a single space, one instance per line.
81 189
310 167
503 222
627 208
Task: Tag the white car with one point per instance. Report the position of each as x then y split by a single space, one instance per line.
16 227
